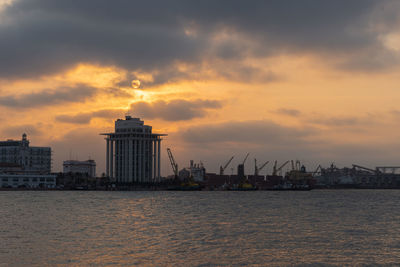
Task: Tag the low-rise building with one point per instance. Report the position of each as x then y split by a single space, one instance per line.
83 167
15 180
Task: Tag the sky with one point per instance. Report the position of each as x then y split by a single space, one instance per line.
312 80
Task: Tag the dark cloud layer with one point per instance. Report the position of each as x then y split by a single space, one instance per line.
175 110
45 36
48 97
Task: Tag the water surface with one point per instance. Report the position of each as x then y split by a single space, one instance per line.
319 227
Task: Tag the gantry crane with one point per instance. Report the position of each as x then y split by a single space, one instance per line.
222 169
258 169
173 163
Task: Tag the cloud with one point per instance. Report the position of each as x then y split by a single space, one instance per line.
289 112
18 130
48 97
355 122
337 121
174 110
395 113
117 92
81 144
251 132
81 118
266 140
46 37
86 117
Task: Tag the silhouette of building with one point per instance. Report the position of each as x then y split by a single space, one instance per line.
133 152
77 166
28 158
24 166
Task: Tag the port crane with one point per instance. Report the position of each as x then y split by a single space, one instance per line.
383 169
258 169
245 158
364 168
241 166
222 169
276 170
173 163
318 170
296 166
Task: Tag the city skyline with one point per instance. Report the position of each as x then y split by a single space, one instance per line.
312 80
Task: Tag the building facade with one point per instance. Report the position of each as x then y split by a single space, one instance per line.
24 166
133 152
31 159
84 167
26 180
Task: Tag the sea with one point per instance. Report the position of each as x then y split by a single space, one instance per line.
204 228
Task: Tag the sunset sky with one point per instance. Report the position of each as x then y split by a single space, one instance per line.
317 81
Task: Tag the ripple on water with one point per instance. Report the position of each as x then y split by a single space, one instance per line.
316 228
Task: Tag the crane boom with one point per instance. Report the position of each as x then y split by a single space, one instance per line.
316 171
173 163
283 165
246 158
229 161
364 168
262 166
276 170
258 169
222 169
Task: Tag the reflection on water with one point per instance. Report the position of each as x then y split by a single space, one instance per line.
200 228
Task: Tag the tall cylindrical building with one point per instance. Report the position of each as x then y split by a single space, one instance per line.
133 152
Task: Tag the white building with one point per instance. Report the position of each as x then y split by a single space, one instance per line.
76 166
36 159
26 180
197 171
133 152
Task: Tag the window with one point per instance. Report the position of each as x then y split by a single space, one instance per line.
15 179
42 179
5 179
34 179
26 179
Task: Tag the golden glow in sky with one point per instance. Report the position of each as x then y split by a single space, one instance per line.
320 91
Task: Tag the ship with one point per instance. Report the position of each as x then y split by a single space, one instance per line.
297 179
244 186
186 186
